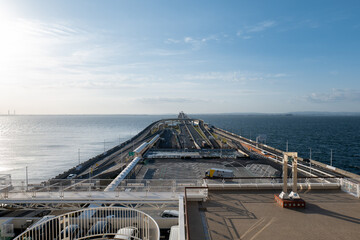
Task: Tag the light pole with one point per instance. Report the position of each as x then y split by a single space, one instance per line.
287 145
79 155
310 161
27 179
331 157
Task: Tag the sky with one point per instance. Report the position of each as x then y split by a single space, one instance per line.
156 57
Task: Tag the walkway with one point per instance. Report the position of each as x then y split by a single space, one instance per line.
254 215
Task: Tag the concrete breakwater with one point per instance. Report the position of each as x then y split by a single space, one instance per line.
107 154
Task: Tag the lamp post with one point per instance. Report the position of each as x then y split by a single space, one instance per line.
331 156
27 179
310 161
287 145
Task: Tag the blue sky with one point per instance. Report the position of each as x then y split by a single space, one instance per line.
113 57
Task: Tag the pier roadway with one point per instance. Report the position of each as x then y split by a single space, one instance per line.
276 155
112 163
118 154
196 136
208 135
185 140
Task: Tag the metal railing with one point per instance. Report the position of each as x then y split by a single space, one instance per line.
350 187
259 180
99 223
272 183
94 188
62 188
77 185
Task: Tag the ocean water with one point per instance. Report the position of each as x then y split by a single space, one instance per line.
49 145
341 134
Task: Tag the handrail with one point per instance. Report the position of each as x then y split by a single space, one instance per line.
91 222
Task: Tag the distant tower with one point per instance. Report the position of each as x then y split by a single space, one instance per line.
8 112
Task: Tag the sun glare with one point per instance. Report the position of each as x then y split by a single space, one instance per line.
18 47
15 42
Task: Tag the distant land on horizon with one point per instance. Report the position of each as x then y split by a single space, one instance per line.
304 113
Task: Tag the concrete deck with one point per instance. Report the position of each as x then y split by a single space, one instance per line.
255 215
190 169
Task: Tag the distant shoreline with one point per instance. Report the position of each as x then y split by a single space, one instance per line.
346 114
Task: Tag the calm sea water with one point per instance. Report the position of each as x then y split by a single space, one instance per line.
320 133
49 145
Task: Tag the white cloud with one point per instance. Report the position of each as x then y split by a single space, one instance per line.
335 95
248 31
196 43
166 100
171 40
165 52
188 40
233 76
42 55
262 26
277 75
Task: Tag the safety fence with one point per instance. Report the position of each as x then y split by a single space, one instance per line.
96 223
61 188
350 187
264 183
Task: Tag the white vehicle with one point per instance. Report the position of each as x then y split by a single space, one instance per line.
71 176
219 173
126 233
170 214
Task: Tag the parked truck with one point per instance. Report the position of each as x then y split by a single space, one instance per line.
219 173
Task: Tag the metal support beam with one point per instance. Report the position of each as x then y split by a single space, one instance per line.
283 194
293 194
75 205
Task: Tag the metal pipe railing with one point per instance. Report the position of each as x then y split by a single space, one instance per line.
102 222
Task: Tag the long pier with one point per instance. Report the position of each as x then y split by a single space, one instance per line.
167 161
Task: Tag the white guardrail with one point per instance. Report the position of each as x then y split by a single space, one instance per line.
64 188
350 187
96 223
